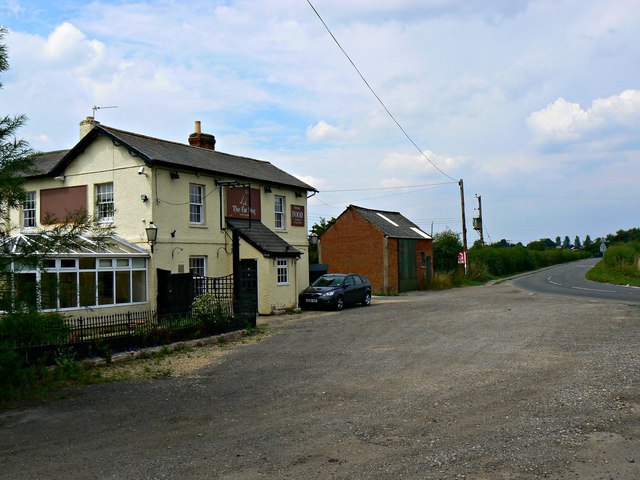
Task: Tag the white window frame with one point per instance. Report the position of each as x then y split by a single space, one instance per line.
132 271
198 270
105 206
196 204
198 265
282 271
279 209
29 211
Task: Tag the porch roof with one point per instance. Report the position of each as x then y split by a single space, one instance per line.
261 238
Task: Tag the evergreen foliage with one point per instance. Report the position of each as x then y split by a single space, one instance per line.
446 246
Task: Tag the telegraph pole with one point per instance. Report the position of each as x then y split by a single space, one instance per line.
464 225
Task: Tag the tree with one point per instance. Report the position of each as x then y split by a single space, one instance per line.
16 162
16 157
576 242
446 246
542 244
587 241
558 242
566 243
318 229
624 236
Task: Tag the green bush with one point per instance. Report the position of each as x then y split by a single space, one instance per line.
209 311
496 261
30 328
623 256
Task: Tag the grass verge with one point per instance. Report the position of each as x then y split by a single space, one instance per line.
616 275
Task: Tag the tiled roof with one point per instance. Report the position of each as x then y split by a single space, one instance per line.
44 163
392 224
155 151
263 239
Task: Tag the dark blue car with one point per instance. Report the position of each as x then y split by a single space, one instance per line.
335 290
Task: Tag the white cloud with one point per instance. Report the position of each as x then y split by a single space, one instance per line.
324 131
267 79
409 165
564 122
315 182
69 46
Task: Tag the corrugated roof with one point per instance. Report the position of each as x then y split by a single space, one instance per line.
175 155
41 243
392 224
263 239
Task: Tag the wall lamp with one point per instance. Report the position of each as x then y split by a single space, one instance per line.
174 175
152 235
60 178
313 239
298 194
267 189
141 171
144 198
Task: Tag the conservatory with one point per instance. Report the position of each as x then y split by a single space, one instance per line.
86 274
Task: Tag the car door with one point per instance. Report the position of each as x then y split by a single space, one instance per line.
350 290
359 288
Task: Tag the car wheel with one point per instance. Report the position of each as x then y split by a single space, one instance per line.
339 303
366 301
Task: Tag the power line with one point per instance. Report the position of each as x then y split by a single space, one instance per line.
376 95
389 188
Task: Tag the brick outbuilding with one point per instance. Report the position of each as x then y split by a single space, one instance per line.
386 247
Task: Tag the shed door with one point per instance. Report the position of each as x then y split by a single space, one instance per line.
407 268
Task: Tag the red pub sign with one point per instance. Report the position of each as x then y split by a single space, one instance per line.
238 204
297 215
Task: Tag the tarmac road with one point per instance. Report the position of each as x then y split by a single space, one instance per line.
569 280
486 383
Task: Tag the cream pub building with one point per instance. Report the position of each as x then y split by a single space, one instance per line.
197 202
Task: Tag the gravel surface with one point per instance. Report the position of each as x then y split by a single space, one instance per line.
484 383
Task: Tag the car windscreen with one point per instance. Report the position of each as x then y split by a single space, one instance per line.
328 281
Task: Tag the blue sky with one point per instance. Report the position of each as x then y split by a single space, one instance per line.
534 104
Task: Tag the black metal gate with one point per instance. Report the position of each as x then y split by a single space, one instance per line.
175 292
248 294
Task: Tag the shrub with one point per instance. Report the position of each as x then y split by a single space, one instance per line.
209 311
622 256
32 328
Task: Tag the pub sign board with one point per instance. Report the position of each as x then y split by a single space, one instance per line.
238 203
297 215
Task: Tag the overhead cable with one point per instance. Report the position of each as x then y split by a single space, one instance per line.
377 97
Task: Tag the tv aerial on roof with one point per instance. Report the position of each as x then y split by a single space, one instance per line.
95 107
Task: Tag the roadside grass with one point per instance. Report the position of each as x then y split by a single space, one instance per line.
617 274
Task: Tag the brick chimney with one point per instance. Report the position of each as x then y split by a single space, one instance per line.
202 140
87 125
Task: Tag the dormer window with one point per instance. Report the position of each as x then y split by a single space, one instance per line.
104 202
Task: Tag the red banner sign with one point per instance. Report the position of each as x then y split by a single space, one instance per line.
297 215
238 204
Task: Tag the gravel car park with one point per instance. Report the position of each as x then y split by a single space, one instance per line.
477 383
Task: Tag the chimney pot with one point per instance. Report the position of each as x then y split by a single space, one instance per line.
87 125
202 140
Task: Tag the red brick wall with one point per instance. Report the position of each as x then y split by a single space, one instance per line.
427 247
353 245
